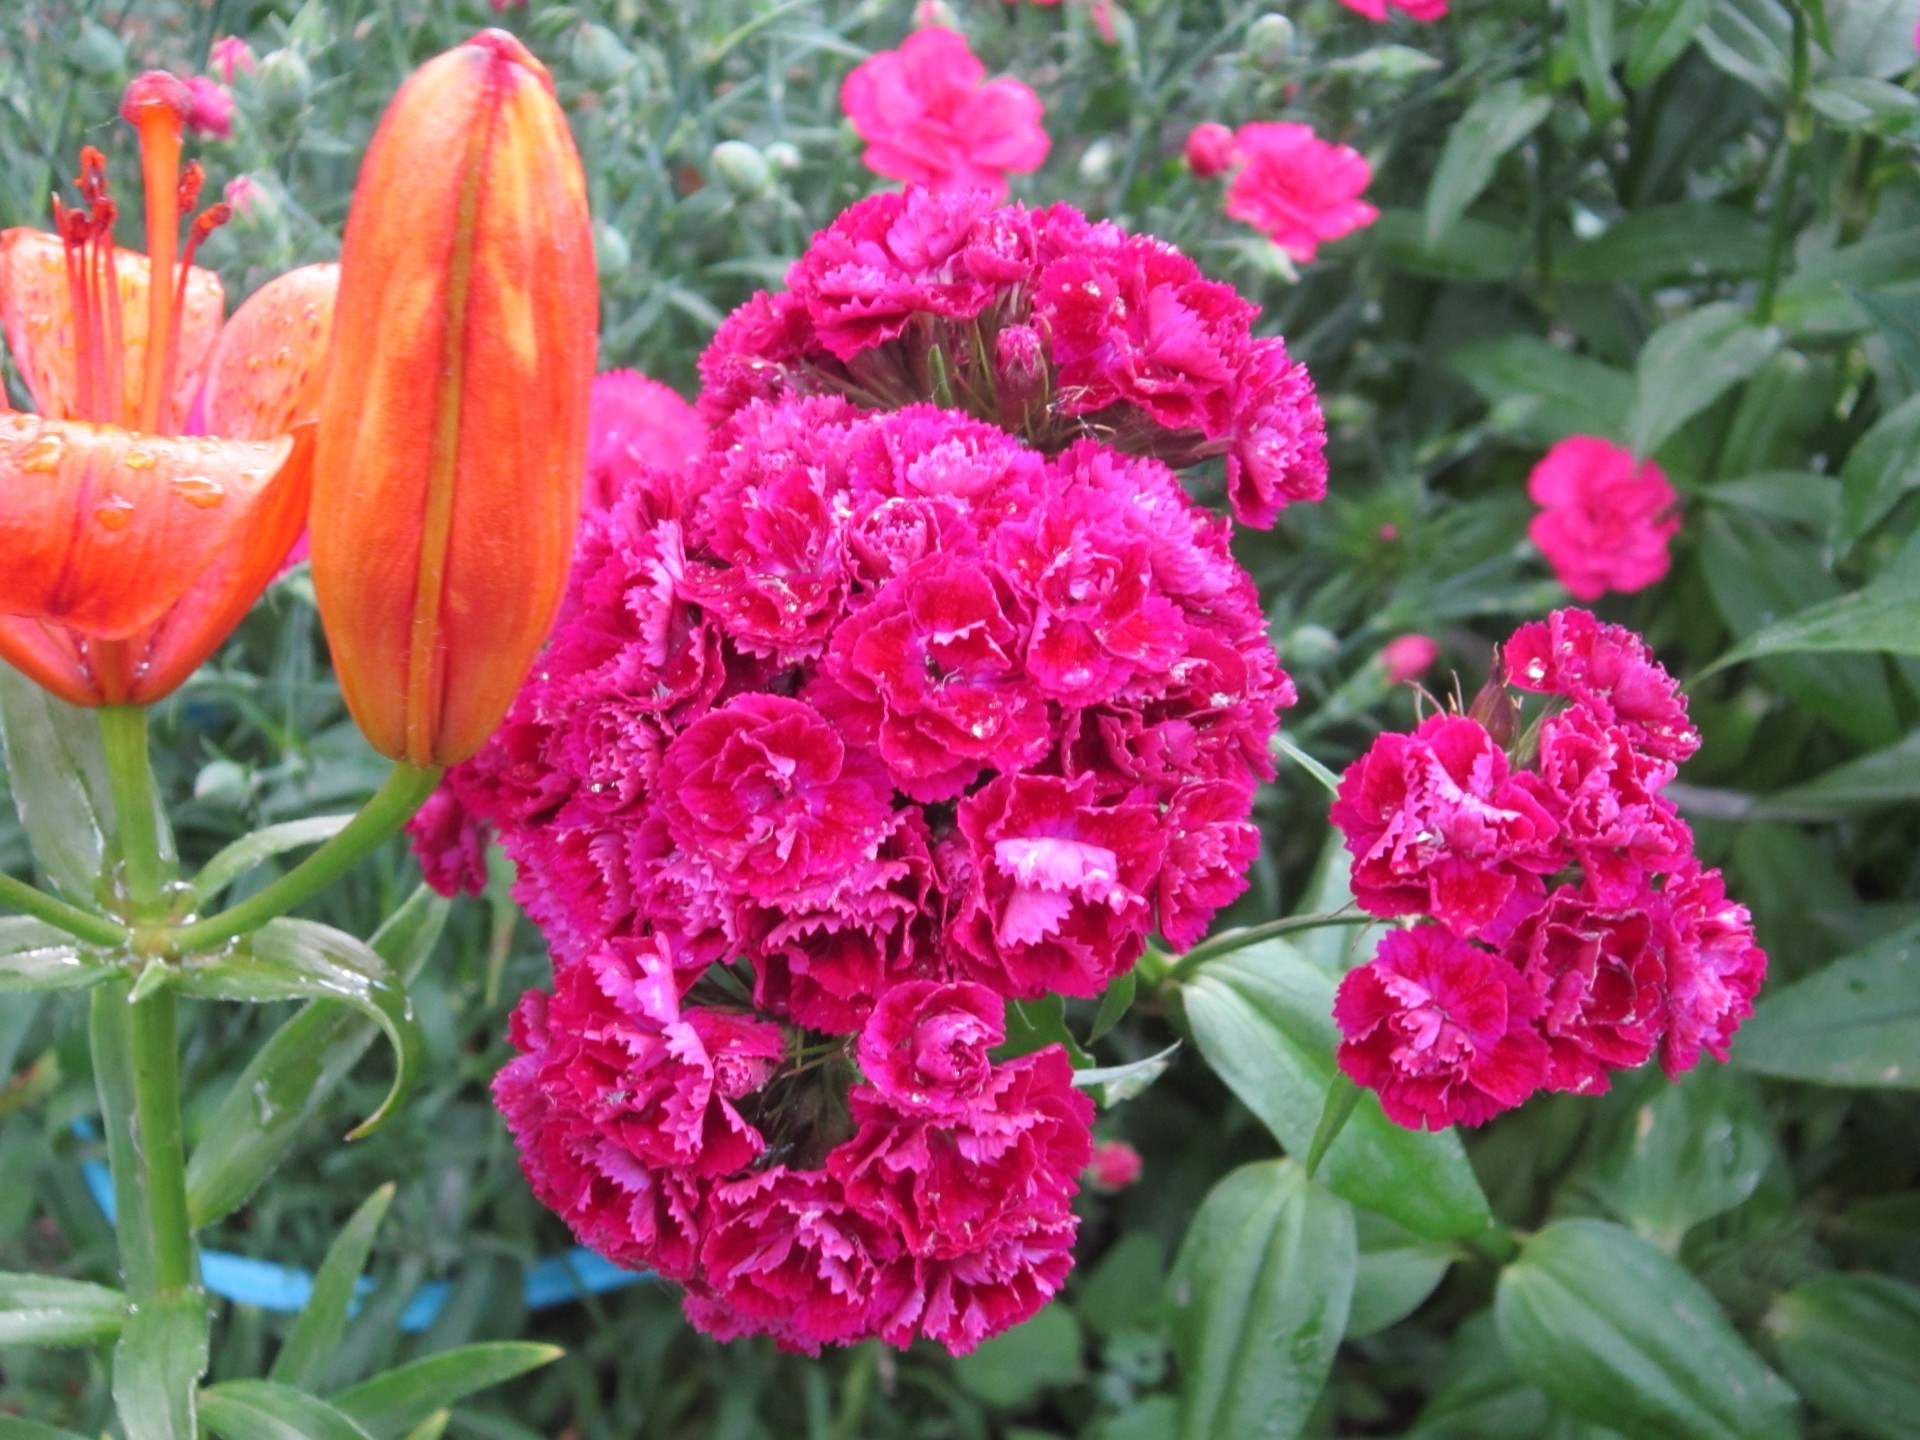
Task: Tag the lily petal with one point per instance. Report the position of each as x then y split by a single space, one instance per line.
269 368
104 529
36 310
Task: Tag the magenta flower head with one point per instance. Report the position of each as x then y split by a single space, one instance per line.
210 111
1115 1165
931 117
1425 11
231 55
1299 189
1408 657
1578 934
1605 518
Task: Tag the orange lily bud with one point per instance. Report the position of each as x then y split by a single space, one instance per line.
453 433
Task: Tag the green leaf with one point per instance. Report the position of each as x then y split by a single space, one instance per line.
1502 116
1668 243
1687 365
309 1346
1851 1344
1618 1334
249 850
1114 1084
1035 1024
45 1310
1883 465
1590 32
1696 1150
157 1367
1890 776
12 1427
431 1428
1114 1004
58 776
1855 1022
1898 316
1469 250
1012 1370
291 959
1544 393
1260 1296
1857 102
1126 1287
110 1037
1819 298
1884 617
263 1410
1398 1271
1871 37
389 1405
1751 40
35 957
1666 28
1799 497
1343 1097
291 1077
1263 1017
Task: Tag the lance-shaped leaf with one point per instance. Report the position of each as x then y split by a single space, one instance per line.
1687 365
263 1410
1618 1334
302 960
58 776
294 1073
1260 1296
249 850
309 1346
1502 116
1852 1345
389 1405
46 1310
34 956
1263 1017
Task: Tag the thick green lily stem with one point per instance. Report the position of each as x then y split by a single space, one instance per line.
136 1044
405 790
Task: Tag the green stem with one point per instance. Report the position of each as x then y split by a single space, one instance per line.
405 790
1229 941
123 735
156 1089
94 929
1798 132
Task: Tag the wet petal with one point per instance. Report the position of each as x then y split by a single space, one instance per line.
104 529
36 310
268 370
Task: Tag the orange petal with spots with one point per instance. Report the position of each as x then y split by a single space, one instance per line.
36 310
103 529
269 367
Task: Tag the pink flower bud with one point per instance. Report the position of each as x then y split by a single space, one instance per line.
1211 150
1115 1165
1408 657
229 56
210 108
239 193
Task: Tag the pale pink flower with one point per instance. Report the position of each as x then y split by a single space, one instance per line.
930 116
1298 188
1605 518
239 193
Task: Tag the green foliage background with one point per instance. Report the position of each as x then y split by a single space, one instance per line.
1691 225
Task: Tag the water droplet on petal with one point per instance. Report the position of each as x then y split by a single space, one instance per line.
44 455
199 492
140 460
114 513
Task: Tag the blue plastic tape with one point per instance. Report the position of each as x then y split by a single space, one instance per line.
557 1280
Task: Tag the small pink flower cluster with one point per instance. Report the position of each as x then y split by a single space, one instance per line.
1051 326
1574 932
856 725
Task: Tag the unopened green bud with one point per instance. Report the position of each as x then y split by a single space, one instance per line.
222 783
598 56
1096 165
1308 647
97 52
285 83
741 168
1270 41
783 157
611 253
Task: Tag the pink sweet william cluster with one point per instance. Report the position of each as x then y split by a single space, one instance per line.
858 724
1051 326
1570 931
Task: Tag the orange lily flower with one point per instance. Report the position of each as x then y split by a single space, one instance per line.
453 434
132 550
